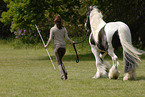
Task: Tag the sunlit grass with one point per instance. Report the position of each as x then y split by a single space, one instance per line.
29 73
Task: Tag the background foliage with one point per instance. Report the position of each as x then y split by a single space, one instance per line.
22 15
4 29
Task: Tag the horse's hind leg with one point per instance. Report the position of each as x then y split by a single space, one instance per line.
113 72
129 67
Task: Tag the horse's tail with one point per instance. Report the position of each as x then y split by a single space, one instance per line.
130 53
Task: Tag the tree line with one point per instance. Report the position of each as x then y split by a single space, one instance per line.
20 16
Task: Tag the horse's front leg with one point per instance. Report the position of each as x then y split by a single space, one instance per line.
98 62
103 55
101 70
113 72
105 63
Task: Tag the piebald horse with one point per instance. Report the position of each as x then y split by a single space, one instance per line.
101 42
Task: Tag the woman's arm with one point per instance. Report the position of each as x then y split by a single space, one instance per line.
50 38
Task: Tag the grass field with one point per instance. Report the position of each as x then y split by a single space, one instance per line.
29 73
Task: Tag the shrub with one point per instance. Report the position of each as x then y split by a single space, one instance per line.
26 36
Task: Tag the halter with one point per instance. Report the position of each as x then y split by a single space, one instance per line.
77 57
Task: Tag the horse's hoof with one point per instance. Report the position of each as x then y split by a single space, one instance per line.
128 76
114 75
95 77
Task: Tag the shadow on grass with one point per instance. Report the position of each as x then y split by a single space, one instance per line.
82 57
140 78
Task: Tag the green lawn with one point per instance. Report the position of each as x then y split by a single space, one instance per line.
29 73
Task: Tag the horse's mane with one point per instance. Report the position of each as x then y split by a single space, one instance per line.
96 21
96 11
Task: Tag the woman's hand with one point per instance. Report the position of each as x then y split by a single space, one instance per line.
45 46
73 42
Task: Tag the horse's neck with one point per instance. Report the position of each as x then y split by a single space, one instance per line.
96 26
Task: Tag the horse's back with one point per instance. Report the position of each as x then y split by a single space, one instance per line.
111 28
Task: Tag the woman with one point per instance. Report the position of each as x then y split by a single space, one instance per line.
59 32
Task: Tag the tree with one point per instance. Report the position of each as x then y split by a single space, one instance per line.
23 14
4 29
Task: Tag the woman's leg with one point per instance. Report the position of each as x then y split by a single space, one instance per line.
59 53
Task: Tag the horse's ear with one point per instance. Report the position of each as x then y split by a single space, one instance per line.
88 8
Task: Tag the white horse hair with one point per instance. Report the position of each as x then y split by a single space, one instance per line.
130 53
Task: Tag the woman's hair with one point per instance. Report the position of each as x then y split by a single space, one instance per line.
58 22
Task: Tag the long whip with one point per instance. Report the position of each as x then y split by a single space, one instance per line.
46 48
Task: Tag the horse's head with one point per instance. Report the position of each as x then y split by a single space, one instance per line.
87 23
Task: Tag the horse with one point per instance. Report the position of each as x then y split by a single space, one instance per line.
101 40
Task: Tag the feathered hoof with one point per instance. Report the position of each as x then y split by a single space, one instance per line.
114 75
96 77
100 76
128 76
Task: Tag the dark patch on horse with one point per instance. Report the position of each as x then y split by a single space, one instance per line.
116 41
92 40
102 53
102 40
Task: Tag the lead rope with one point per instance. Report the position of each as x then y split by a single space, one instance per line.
77 57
